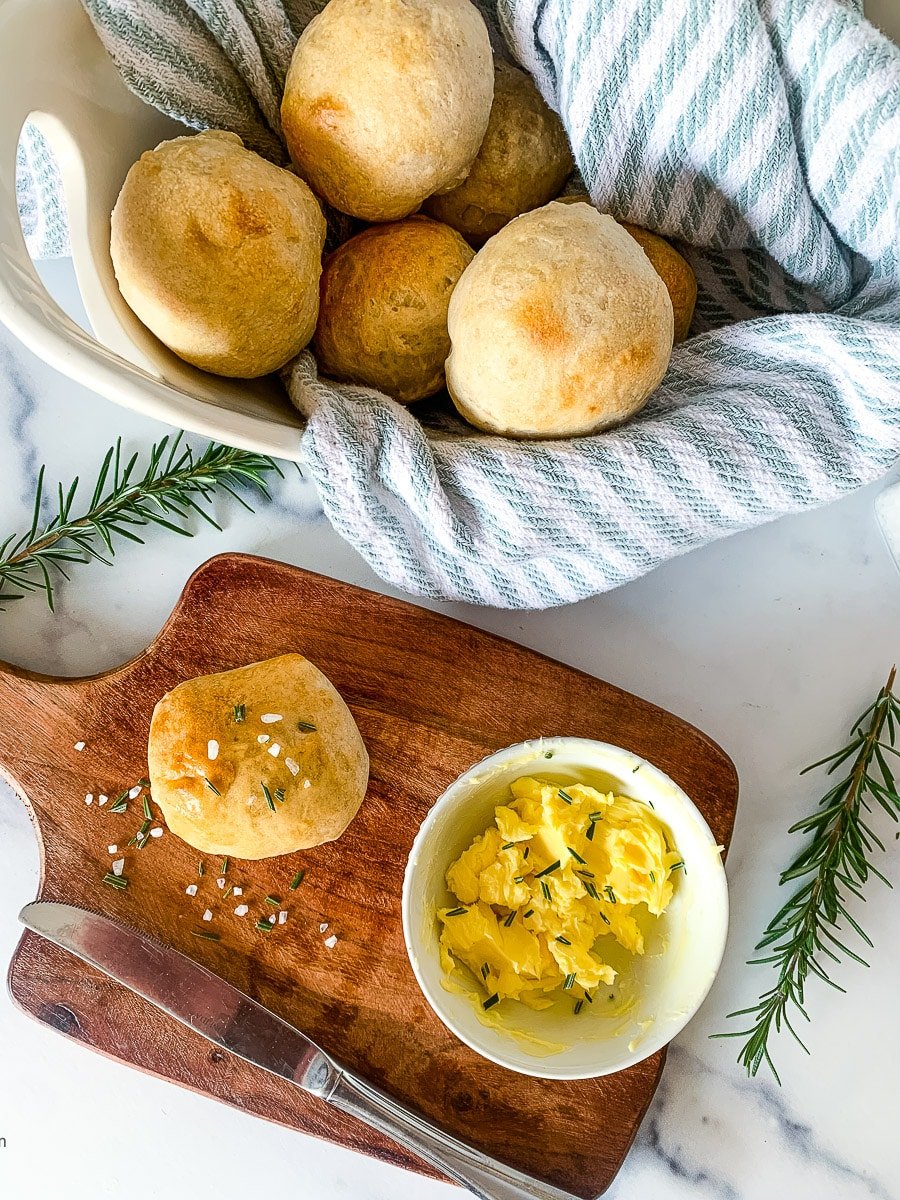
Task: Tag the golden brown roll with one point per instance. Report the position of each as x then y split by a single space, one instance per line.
383 309
387 101
675 272
218 252
523 162
560 326
259 761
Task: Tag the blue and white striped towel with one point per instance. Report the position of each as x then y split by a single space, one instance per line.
764 137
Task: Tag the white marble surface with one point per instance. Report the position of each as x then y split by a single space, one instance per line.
770 641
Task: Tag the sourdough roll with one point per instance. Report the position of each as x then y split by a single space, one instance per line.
383 310
218 252
387 101
523 162
675 272
259 761
559 327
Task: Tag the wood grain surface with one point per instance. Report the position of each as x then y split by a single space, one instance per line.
431 696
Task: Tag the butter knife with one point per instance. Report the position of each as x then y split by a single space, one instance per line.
211 1007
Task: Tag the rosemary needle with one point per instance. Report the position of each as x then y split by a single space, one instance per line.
176 482
836 861
297 880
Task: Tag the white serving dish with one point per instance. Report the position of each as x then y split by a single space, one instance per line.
54 69
671 980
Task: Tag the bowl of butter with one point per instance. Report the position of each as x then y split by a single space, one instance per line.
565 908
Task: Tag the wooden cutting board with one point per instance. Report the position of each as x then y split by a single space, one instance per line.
431 696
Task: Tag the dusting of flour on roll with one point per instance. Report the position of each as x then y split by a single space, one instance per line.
559 327
387 101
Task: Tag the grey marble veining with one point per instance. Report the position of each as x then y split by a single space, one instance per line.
771 641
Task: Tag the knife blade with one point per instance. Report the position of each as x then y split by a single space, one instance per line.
221 1013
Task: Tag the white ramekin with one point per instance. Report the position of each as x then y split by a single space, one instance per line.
671 979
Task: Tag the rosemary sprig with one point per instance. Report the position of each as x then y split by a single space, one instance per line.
174 483
836 860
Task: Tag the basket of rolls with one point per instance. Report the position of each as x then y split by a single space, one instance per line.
545 314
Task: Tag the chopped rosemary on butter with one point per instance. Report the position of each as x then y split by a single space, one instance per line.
456 912
212 787
491 1001
579 1005
485 970
575 855
545 890
509 920
610 894
565 941
548 870
563 795
507 845
569 982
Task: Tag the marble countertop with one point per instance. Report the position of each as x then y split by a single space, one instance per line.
771 641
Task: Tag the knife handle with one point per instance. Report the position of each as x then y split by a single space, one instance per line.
482 1175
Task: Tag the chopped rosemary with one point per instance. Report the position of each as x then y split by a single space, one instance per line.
530 913
265 926
679 866
589 832
509 920
507 845
227 893
575 855
297 880
587 874
485 970
212 787
268 796
120 804
116 881
143 782
239 712
563 795
591 889
579 1005
518 879
569 982
548 870
596 816
603 917
306 726
200 868
274 901
207 937
279 795
545 889
565 941
224 866
147 813
456 912
526 851
652 877
634 770
548 754
587 996
610 894
491 1001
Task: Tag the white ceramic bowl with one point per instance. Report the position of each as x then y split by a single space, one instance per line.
683 954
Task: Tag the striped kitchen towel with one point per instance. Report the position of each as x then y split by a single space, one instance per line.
763 136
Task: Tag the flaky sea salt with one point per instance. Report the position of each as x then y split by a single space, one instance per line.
262 738
220 882
102 799
323 927
274 750
135 792
156 831
331 942
282 917
239 891
270 718
293 767
80 745
118 866
307 783
191 890
242 910
207 916
89 798
113 849
212 749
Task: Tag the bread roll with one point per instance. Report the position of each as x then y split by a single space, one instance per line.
523 162
218 252
387 101
383 310
559 327
259 761
675 272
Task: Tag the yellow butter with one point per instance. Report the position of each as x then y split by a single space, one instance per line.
561 869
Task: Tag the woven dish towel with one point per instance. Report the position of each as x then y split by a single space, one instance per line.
762 135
